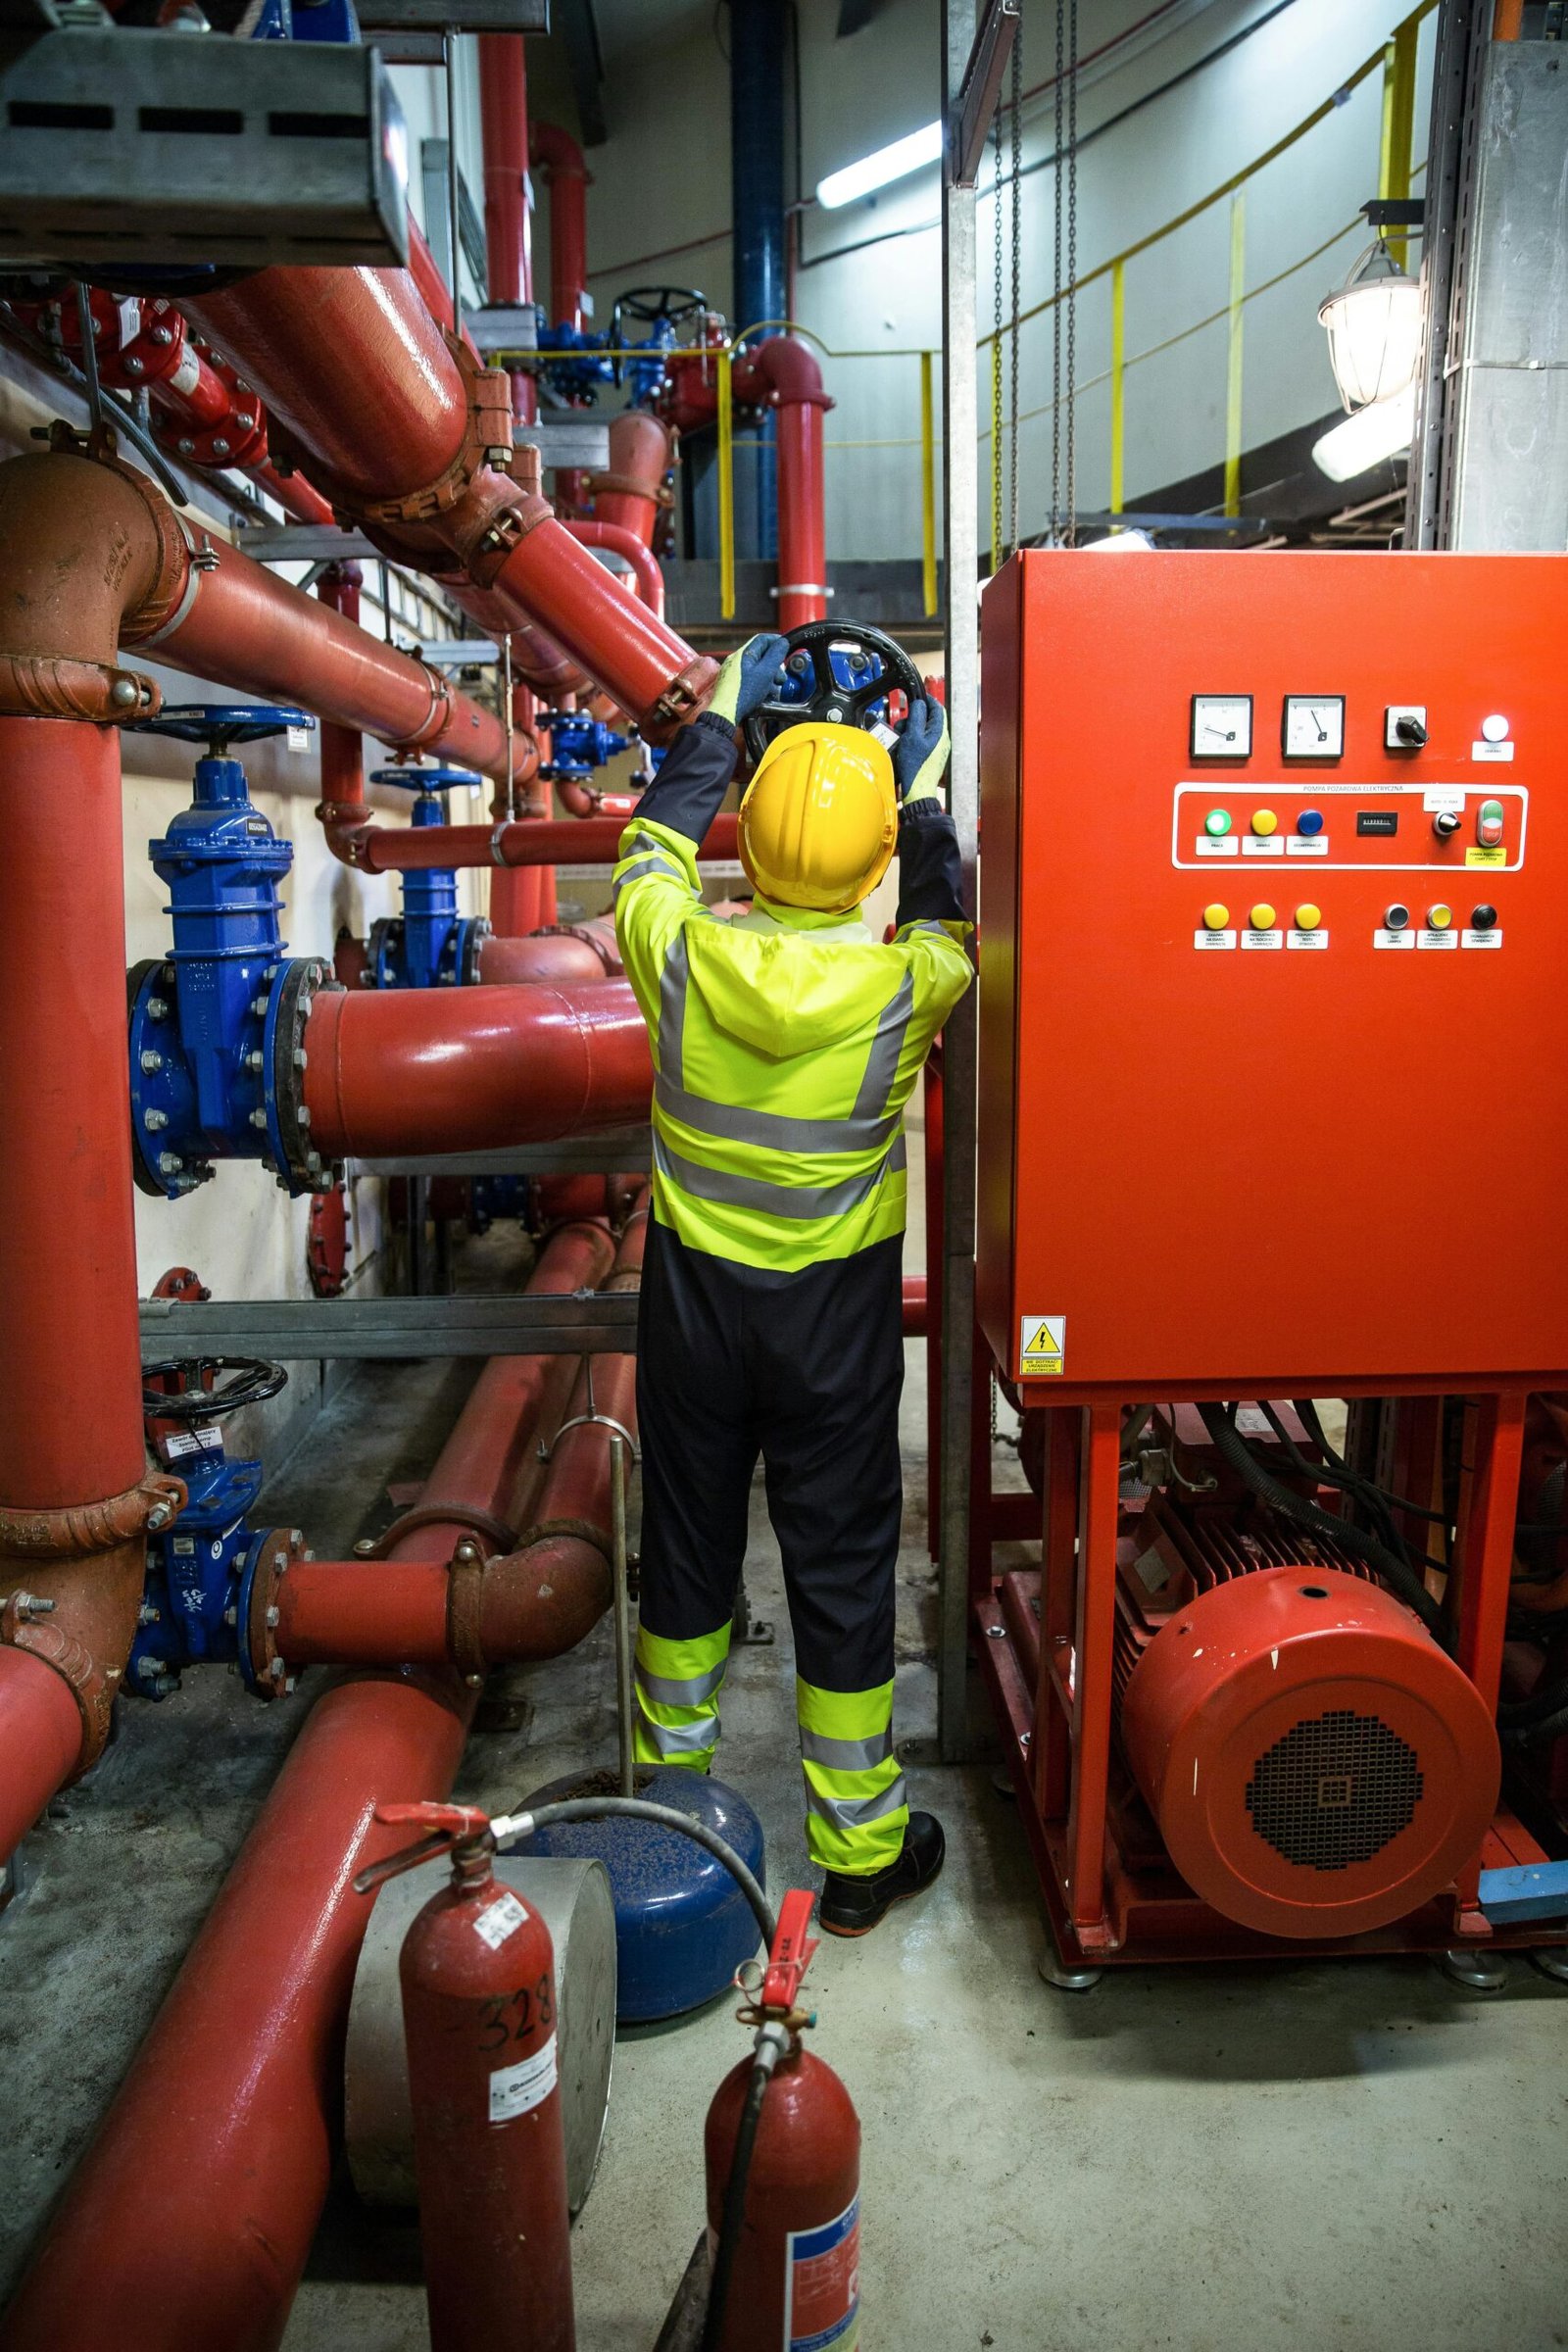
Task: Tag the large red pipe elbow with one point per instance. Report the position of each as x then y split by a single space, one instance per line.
632 492
617 540
580 952
472 1070
40 1737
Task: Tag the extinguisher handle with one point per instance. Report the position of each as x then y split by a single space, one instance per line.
446 1826
791 1953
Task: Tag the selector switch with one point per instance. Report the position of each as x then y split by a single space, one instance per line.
1404 727
1488 824
1446 824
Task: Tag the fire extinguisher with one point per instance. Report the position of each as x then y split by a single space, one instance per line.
783 2150
477 1973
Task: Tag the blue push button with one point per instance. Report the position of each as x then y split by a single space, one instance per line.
1309 821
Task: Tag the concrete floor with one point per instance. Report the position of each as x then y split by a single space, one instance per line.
1346 2155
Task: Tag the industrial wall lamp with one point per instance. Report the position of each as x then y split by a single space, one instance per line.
1374 324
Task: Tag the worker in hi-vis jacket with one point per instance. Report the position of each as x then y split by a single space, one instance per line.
786 1044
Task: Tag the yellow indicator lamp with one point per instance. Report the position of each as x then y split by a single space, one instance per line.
1261 917
1216 917
1307 919
1438 918
1265 821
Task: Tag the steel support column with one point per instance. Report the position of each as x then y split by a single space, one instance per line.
962 529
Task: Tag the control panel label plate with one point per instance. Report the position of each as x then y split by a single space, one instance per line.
1307 939
1436 939
1213 939
1393 939
1482 938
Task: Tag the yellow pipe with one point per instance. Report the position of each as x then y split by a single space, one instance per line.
1119 384
1233 383
928 489
727 492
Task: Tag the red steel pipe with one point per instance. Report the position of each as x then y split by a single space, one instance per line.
70 1347
342 748
40 1737
471 1069
252 630
557 159
631 493
219 2143
578 952
543 841
504 137
914 1306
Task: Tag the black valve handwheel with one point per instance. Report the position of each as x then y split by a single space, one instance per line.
251 1381
811 649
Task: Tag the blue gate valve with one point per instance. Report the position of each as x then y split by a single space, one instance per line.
430 944
578 744
217 1026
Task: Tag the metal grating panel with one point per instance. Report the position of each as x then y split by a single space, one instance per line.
1334 1790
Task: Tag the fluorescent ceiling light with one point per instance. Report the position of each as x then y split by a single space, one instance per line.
1379 430
872 172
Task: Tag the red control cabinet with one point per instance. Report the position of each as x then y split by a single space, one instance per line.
1271 1094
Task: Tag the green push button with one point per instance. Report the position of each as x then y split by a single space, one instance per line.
1217 822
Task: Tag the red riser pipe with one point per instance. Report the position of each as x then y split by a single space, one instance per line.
219 2143
504 137
628 497
472 1070
342 748
252 630
558 158
40 1737
543 841
70 1347
801 526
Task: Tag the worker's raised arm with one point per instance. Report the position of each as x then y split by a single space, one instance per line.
930 872
656 887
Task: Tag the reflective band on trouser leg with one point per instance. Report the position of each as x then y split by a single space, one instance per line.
677 1697
857 1805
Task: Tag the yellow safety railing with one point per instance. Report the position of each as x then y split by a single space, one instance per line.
1396 59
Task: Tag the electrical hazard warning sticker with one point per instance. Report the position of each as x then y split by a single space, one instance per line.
822 2286
1042 1344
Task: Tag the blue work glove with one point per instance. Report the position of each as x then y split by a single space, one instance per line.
748 676
920 757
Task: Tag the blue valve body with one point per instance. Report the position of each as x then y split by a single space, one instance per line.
197 1568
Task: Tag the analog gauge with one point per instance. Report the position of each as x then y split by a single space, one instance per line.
1313 726
1222 726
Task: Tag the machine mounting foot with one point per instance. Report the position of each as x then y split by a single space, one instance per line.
1056 1971
1478 1971
1552 1961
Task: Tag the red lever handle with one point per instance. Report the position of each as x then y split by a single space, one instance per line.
790 1957
458 1820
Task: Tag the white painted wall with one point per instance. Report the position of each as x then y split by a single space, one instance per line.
662 179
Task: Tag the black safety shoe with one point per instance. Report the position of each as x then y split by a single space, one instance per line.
850 1906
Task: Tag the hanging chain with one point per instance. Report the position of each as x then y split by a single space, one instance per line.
1059 94
995 358
1071 532
1018 253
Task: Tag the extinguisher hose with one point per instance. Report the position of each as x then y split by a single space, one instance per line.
770 2041
508 1828
1396 1573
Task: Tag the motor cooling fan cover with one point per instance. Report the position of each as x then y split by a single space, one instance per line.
1316 1764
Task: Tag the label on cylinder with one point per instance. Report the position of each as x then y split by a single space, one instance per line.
517 2090
822 2286
499 1920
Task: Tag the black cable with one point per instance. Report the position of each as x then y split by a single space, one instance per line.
1234 1451
734 2207
1309 1414
1335 1472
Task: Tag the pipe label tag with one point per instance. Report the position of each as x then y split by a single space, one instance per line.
517 2089
499 1920
822 2286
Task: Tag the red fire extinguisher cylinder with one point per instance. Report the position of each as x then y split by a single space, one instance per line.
477 1975
785 2255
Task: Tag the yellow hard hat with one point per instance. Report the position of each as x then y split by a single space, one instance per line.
821 817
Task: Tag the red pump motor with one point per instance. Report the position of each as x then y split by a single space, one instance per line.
478 1984
783 2149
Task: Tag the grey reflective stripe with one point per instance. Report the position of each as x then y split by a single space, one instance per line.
926 923
682 1738
882 1062
686 1693
846 1755
672 1011
773 1129
650 862
854 1812
774 1200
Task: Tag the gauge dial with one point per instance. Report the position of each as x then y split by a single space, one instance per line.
1222 726
1313 726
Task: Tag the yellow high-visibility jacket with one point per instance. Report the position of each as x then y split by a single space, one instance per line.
786 1044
